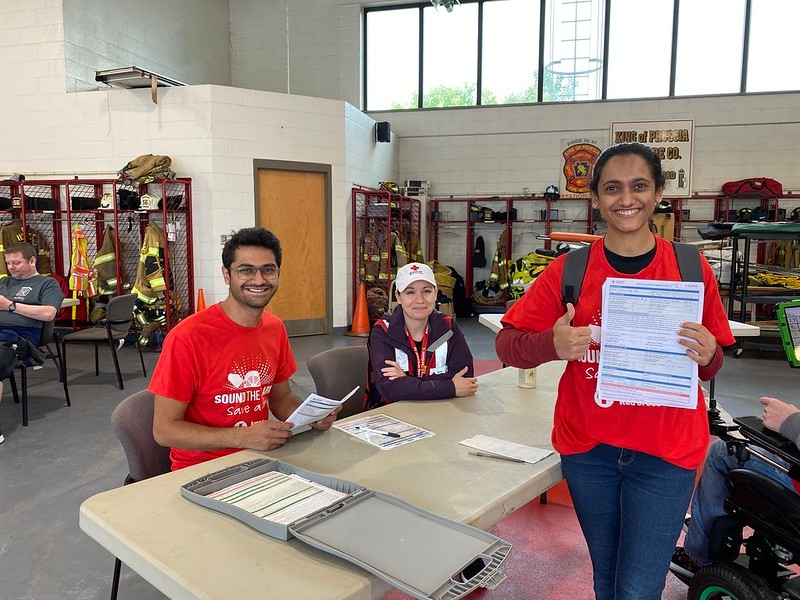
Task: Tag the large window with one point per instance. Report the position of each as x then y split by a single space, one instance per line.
450 57
773 43
710 47
639 48
483 52
392 58
573 50
510 52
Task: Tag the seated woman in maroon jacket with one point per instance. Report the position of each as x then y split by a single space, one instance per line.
415 352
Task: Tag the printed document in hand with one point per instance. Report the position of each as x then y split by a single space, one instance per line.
491 445
313 409
641 361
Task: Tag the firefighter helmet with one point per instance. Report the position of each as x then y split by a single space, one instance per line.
551 193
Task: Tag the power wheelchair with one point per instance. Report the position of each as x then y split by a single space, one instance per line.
762 515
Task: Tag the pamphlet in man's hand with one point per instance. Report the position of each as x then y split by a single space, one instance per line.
313 409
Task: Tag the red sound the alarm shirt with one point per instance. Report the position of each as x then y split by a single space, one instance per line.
677 435
223 371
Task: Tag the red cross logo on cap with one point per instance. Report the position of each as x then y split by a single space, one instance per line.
414 268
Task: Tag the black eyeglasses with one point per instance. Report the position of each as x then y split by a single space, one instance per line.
267 272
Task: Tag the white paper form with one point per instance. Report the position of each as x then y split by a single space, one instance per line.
313 409
279 497
641 361
384 431
484 443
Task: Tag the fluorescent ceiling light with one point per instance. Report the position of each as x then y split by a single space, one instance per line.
134 77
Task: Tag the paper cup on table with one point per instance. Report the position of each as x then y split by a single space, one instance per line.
526 378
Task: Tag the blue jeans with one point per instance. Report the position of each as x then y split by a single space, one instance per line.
631 507
711 492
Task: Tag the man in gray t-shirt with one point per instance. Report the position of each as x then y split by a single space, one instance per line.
27 300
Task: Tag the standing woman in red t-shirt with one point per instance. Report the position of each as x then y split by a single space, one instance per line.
630 467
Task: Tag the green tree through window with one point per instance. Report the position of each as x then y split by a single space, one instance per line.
557 88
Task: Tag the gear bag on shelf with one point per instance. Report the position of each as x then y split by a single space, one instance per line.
753 187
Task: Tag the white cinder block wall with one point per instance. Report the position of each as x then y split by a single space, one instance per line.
186 40
308 47
213 134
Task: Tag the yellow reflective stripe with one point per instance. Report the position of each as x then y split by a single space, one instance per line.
101 259
143 297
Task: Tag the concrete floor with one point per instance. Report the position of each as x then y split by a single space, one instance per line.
66 455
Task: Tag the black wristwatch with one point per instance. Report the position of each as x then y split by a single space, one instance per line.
12 307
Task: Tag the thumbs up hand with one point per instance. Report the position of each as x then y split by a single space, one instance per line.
570 342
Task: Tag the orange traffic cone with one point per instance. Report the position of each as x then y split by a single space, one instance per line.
360 326
201 300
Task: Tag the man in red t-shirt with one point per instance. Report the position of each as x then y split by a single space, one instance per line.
223 370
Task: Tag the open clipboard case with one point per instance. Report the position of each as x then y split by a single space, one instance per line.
423 554
789 327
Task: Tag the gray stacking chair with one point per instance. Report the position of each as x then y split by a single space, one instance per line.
132 423
337 371
112 329
45 339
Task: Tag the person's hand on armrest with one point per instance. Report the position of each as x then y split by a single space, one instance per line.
776 412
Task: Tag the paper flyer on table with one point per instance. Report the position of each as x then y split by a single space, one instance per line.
491 445
641 361
384 431
313 409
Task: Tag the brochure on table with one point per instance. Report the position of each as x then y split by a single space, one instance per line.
383 431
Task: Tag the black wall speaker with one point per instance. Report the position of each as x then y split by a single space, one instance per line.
383 131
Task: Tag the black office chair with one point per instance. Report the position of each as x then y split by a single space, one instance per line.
44 353
337 371
132 423
112 329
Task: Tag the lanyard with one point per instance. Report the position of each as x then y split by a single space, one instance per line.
422 368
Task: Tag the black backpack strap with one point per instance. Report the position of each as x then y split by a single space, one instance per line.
688 261
572 278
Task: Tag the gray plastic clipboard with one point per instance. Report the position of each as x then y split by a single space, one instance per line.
423 554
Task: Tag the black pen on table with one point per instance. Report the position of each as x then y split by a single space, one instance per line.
500 456
391 434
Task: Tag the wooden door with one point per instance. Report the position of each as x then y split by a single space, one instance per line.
292 204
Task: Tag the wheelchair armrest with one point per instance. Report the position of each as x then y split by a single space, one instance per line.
753 429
